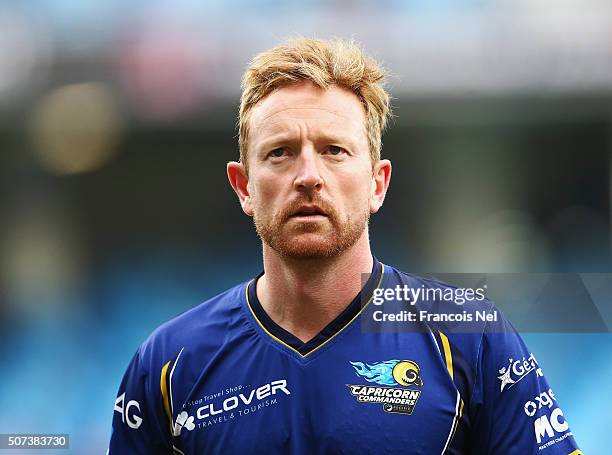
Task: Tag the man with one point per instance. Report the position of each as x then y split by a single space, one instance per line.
284 364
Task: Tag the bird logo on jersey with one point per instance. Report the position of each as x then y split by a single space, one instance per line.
405 373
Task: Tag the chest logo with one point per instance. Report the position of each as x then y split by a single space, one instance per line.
400 380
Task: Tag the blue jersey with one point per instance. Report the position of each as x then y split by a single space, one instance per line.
224 378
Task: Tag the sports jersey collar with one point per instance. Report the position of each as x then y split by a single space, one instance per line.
330 330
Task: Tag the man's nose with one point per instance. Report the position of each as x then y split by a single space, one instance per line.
308 177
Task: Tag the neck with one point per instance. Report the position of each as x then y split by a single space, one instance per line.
303 296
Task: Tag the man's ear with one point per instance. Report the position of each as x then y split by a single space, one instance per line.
381 176
239 180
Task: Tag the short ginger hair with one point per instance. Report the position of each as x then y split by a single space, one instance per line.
324 63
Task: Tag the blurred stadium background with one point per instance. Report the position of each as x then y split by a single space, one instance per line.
117 119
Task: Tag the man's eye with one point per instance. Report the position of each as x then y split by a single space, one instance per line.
277 153
335 150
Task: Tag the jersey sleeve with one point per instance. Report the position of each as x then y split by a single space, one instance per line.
139 424
515 409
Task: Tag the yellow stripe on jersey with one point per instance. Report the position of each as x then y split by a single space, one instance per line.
164 392
456 422
577 452
451 433
448 356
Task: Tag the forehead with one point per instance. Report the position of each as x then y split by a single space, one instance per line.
332 107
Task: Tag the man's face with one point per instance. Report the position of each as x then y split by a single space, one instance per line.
310 176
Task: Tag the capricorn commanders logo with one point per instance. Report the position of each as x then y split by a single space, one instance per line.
391 373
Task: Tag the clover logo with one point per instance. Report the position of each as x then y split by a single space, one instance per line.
183 420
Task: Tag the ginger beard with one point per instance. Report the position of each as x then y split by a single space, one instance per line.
325 238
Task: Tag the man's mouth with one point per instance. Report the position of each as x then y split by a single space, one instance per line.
306 213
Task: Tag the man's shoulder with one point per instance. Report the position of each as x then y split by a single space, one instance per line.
203 325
